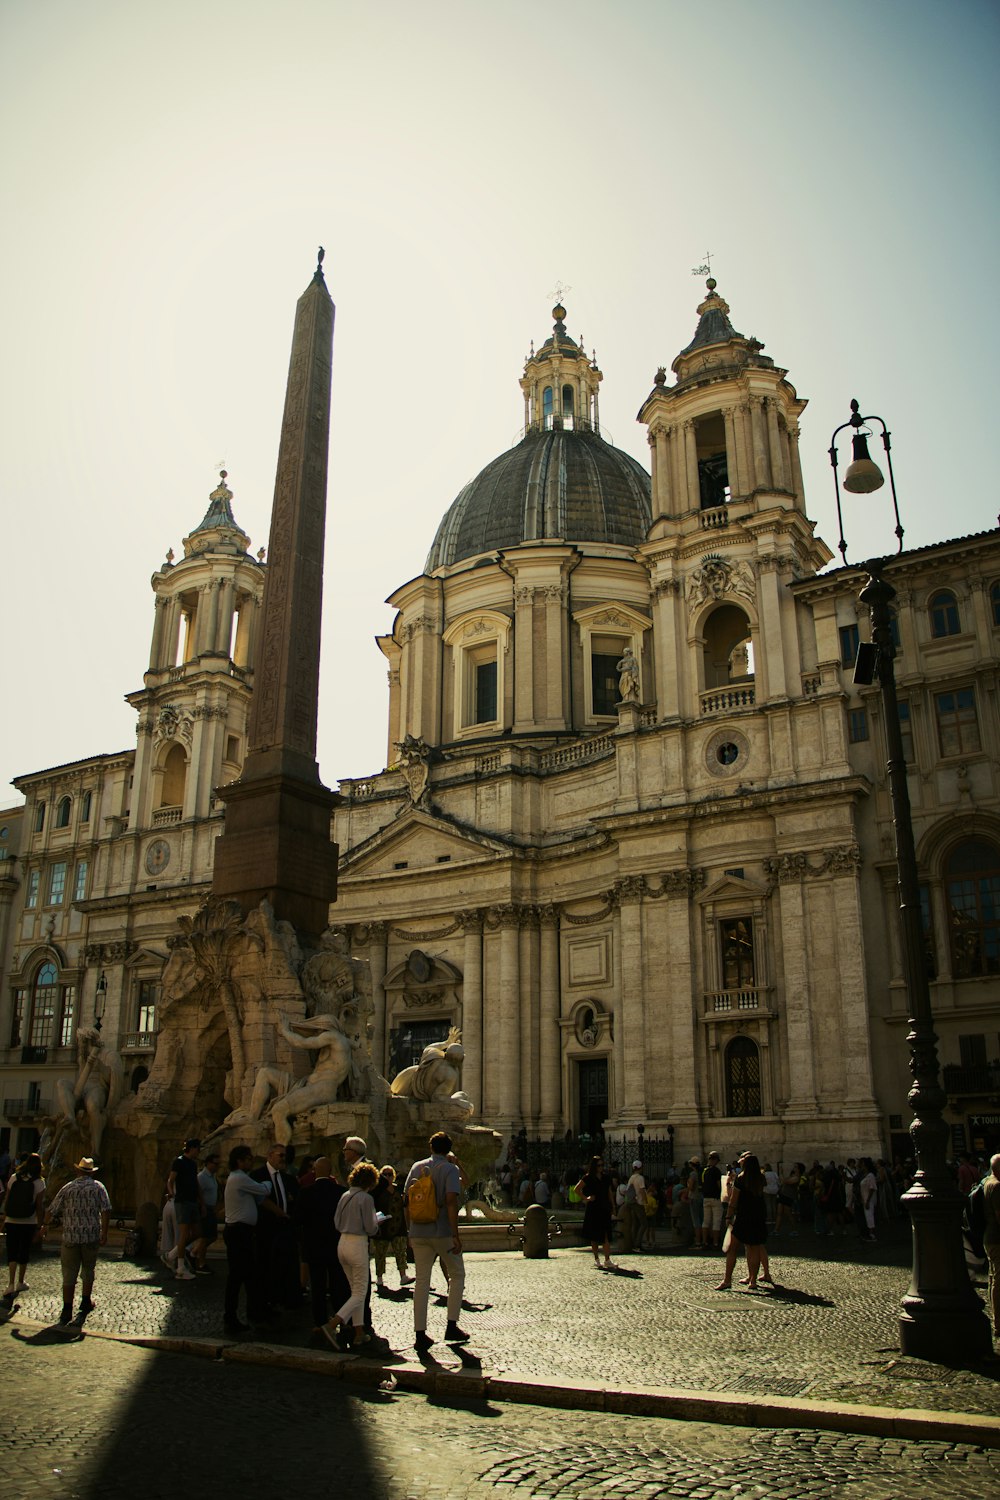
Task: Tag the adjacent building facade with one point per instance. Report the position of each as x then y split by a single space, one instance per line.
635 837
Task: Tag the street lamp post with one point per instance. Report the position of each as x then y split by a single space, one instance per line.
942 1317
100 1000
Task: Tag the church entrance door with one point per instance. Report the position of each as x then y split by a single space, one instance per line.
592 1081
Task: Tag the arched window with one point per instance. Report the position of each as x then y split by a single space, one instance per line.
547 406
174 777
85 806
742 1077
39 817
943 608
62 812
44 1003
567 405
972 888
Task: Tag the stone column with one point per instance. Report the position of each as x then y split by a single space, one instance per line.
680 1065
472 1006
796 464
778 479
855 1035
761 471
667 683
224 627
199 763
160 608
632 1014
798 1006
652 438
528 1019
524 687
508 1052
663 446
549 1035
744 446
556 706
732 459
691 467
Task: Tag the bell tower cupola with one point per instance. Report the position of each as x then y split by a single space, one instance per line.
726 433
560 384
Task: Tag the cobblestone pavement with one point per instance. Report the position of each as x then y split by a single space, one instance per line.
96 1418
829 1331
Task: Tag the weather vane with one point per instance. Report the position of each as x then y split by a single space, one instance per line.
559 292
706 269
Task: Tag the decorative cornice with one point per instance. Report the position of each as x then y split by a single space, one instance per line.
800 866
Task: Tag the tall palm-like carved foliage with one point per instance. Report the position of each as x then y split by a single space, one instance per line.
217 935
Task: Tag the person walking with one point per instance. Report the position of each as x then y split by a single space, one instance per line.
711 1190
598 1214
84 1208
747 1219
430 1195
24 1212
208 1186
356 1221
991 1237
189 1210
391 1237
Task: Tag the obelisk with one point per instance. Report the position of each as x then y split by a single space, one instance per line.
276 843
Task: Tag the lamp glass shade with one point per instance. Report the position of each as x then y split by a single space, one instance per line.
863 475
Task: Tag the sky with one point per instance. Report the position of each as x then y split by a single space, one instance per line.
167 173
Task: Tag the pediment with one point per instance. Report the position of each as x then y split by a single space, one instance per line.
421 840
732 888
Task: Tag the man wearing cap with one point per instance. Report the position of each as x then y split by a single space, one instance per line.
711 1188
635 1206
189 1207
85 1210
696 1202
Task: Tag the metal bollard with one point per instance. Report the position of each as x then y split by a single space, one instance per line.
536 1233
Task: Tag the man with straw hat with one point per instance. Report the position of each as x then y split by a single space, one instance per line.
84 1207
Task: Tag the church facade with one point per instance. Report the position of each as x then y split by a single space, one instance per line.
634 838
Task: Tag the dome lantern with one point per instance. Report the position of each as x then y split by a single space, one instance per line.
560 384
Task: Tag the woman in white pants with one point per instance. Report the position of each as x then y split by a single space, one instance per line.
356 1220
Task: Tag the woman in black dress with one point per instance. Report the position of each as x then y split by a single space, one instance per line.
598 1214
746 1216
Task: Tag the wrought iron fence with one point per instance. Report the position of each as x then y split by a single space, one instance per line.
571 1153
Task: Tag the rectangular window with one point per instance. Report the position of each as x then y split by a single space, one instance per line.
148 995
80 884
972 1051
67 1028
958 724
43 1016
604 681
17 1018
857 725
737 953
849 638
31 898
57 884
486 692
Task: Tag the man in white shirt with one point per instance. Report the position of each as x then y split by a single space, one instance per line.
242 1197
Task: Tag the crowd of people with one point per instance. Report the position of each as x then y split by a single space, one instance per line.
293 1231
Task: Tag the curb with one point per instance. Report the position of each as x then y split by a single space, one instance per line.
670 1402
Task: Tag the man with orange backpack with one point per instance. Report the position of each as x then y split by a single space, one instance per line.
431 1199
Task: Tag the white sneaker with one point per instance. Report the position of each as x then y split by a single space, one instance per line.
171 1255
183 1274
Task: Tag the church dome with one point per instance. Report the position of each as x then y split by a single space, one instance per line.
566 485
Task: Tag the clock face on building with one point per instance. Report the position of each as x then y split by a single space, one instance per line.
157 856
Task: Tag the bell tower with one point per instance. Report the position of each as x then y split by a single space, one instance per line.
729 523
193 707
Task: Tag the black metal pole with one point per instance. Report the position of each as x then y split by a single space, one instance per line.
943 1318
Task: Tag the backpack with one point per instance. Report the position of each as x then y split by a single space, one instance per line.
421 1199
20 1203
